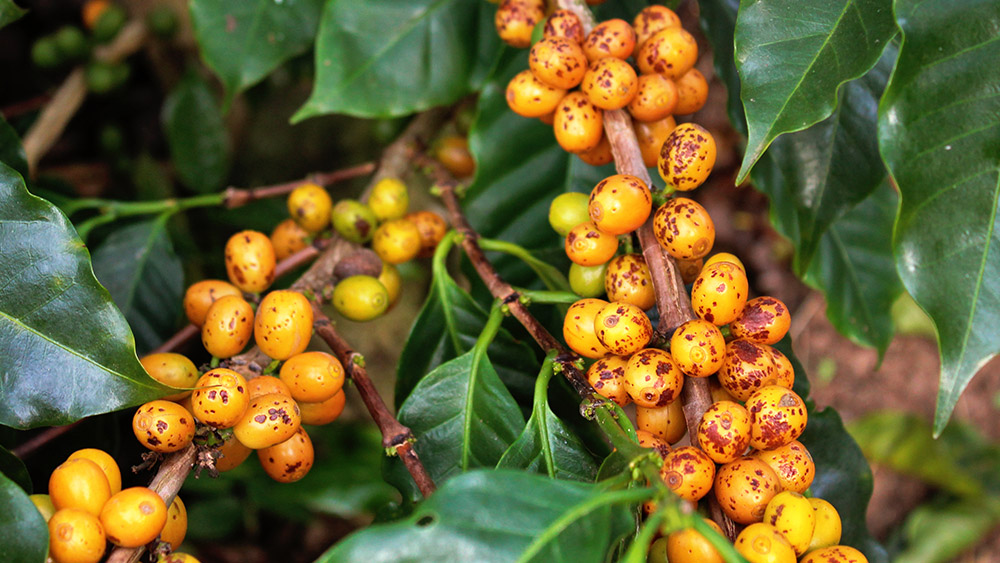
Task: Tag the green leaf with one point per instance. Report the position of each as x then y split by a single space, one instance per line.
244 41
138 267
196 135
547 445
939 125
23 533
793 55
11 150
497 515
10 12
13 468
940 533
68 352
718 22
395 57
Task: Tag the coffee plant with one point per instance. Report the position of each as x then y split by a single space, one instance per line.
587 378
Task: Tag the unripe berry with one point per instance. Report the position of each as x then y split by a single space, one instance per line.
684 229
232 453
623 329
354 220
360 298
587 281
687 157
567 211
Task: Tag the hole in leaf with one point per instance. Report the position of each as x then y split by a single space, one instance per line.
425 521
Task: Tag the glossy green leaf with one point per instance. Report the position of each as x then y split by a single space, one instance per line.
196 135
11 150
24 537
68 352
939 133
10 12
244 41
498 515
138 267
938 533
793 55
718 23
547 445
13 468
395 57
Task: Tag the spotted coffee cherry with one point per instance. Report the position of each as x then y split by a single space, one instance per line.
744 487
777 416
607 377
828 526
689 546
746 367
587 245
651 20
651 135
287 238
579 330
558 62
671 51
578 124
765 320
653 442
268 420
628 280
163 426
684 229
610 38
599 155
610 83
835 554
620 204
564 24
792 463
667 422
692 92
221 398
792 515
652 378
719 293
250 261
687 157
763 543
528 96
688 472
290 460
655 98
698 347
783 370
200 296
724 432
516 19
622 328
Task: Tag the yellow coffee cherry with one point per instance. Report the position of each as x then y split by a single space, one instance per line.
792 463
667 422
391 281
232 453
397 241
579 330
432 229
765 320
671 52
724 257
76 536
689 546
265 385
692 92
200 296
171 369
250 261
746 367
389 199
835 554
655 98
651 20
564 24
777 416
283 324
228 326
652 378
44 505
684 229
177 557
619 204
79 483
610 83
176 526
323 412
599 155
688 472
516 19
163 426
288 238
719 293
107 464
528 96
724 432
623 329
687 157
268 420
627 280
828 525
611 38
762 543
360 298
744 487
134 517
313 377
783 369
587 245
651 136
607 377
698 347
309 205
578 124
221 398
290 460
558 62
791 514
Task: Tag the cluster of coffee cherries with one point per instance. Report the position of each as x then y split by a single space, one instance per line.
665 85
86 509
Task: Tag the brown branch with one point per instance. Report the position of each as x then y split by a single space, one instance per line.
42 438
236 197
395 436
17 108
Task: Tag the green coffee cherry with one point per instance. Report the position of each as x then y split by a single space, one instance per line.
587 281
360 298
109 23
103 77
45 53
162 21
72 43
567 211
354 220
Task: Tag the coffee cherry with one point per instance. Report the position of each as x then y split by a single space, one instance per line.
652 378
163 426
607 377
687 157
389 199
651 20
360 298
599 155
784 373
611 38
309 205
719 392
268 420
746 367
628 281
587 281
567 211
250 261
232 453
698 347
44 505
689 269
655 98
688 545
764 320
266 385
651 135
744 487
579 331
719 293
107 464
75 536
587 245
671 52
221 398
558 62
652 442
79 483
354 220
171 369
287 238
228 326
45 53
835 554
290 460
791 514
777 416
610 83
432 228
109 22
828 526
578 124
688 472
763 543
200 296
284 324
162 21
313 377
667 422
392 282
134 517
176 526
724 432
792 463
397 241
177 557
692 92
684 229
619 204
323 412
563 24
92 10
528 96
516 19
724 257
624 329
72 43
453 153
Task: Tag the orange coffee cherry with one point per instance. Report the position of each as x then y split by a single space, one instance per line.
698 347
652 378
134 517
587 245
719 293
163 426
671 51
744 487
690 269
177 522
558 62
265 385
221 398
107 464
719 392
655 98
432 229
689 546
692 92
610 83
313 377
228 326
619 204
627 280
687 157
250 261
777 416
667 422
528 96
610 38
171 369
792 463
453 153
607 377
747 367
579 330
835 554
283 324
653 442
684 229
763 543
724 432
288 238
724 257
689 473
578 124
268 420
563 24
623 329
651 20
397 241
290 460
79 483
200 296
232 453
784 372
764 320
599 155
76 536
516 19
651 135
324 412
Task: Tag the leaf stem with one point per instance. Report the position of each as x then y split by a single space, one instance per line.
639 549
548 297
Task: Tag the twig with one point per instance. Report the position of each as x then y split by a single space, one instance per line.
236 197
395 436
22 107
42 438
